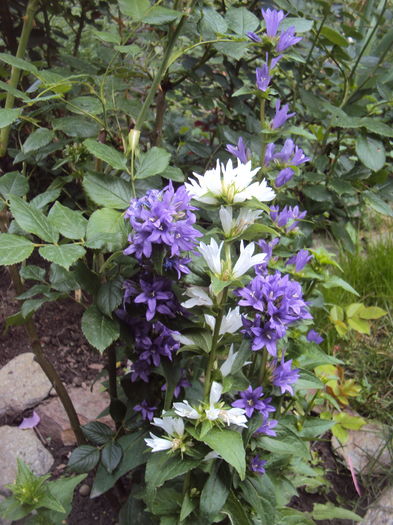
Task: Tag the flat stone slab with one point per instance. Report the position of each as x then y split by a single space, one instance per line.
88 405
367 448
381 512
24 444
22 384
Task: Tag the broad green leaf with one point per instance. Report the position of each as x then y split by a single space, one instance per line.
371 152
97 433
69 223
155 161
110 295
255 232
307 381
18 63
111 456
134 511
167 501
318 193
188 505
234 509
32 305
334 37
214 492
293 517
314 427
235 50
301 25
63 254
38 139
376 126
359 325
173 173
377 203
259 493
337 282
14 249
83 459
14 183
32 272
63 490
134 8
158 15
106 230
106 36
62 279
106 153
8 116
229 445
134 454
76 126
214 21
98 329
13 91
329 511
241 20
108 191
85 104
285 444
34 290
32 220
42 199
371 312
162 467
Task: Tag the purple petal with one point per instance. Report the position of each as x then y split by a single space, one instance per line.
30 422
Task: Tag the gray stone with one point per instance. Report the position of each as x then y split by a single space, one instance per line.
368 449
22 384
381 512
23 444
88 405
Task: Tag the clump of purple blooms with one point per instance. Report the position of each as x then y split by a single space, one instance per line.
276 302
288 217
257 465
164 219
284 376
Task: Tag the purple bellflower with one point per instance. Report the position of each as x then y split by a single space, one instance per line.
147 412
300 260
288 217
263 77
281 115
314 337
287 39
267 427
257 465
272 19
240 151
183 383
284 376
254 37
266 248
250 400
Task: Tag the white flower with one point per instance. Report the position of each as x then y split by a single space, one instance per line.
227 365
185 410
171 425
229 183
157 444
199 297
230 323
211 455
183 339
212 255
245 218
234 416
247 259
226 217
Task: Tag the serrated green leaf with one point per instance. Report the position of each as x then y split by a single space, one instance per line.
14 183
106 230
110 295
18 63
337 282
69 223
377 203
371 152
32 272
32 220
14 249
333 36
8 116
63 254
214 493
37 140
161 467
255 231
98 329
97 433
154 162
241 20
86 104
360 325
234 509
371 312
134 8
83 459
106 153
108 191
62 279
213 21
301 25
307 380
76 126
158 15
111 456
229 445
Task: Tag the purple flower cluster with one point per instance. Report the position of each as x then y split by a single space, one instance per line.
288 217
164 218
289 156
281 115
147 412
240 151
278 301
250 400
300 260
284 376
263 74
266 248
257 465
273 18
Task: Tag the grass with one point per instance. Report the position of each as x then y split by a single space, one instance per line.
369 359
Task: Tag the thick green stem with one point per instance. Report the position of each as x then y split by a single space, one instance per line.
262 370
15 72
263 138
213 350
141 120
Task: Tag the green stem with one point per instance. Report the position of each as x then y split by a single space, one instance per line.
213 350
16 72
308 408
141 120
262 371
304 67
262 121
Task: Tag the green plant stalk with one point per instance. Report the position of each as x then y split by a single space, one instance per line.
262 370
304 67
47 366
141 120
262 121
213 350
16 72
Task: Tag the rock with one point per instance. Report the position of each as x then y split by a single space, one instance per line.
84 490
88 405
381 512
368 449
22 384
23 444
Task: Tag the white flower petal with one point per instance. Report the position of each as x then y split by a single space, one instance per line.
184 409
226 219
199 297
157 444
215 393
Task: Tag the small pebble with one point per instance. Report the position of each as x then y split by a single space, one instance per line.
84 490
